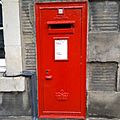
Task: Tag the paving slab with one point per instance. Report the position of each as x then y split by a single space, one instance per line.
102 119
16 118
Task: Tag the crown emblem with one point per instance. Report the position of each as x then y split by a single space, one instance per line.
62 95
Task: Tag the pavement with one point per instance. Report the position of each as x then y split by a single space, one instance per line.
30 118
15 118
102 119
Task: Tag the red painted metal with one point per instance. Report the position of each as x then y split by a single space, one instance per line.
61 82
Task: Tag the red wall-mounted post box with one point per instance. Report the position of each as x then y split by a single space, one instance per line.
61 32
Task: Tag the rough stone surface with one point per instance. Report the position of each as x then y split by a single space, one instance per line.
104 15
104 47
104 104
102 76
16 118
28 34
14 104
102 119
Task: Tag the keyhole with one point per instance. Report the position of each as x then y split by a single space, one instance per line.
47 71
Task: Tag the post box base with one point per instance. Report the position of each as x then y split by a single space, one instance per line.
62 116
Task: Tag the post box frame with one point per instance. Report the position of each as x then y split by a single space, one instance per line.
83 7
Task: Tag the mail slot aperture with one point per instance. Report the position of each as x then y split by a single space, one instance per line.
55 27
61 26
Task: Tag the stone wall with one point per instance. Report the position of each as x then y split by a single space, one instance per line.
28 34
15 103
103 59
103 54
14 90
15 94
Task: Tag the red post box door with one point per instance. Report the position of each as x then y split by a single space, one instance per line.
61 59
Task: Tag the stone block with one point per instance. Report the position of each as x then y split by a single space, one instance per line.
28 34
11 22
104 16
14 104
10 84
104 104
13 60
12 36
104 47
102 76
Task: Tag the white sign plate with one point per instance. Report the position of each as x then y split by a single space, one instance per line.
61 50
